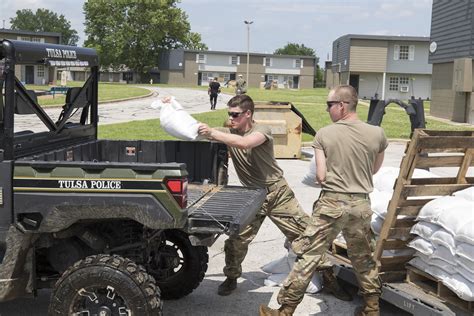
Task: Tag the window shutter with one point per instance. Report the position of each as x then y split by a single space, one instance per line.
264 61
230 60
197 58
301 61
396 52
238 60
411 52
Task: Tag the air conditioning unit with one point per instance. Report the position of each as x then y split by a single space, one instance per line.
404 88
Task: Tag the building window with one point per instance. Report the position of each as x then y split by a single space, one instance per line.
403 54
201 58
40 71
24 38
267 62
393 84
273 77
298 63
225 77
207 76
36 39
234 60
404 80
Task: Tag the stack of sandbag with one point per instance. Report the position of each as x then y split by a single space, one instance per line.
445 241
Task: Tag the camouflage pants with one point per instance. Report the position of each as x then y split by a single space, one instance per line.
283 209
332 213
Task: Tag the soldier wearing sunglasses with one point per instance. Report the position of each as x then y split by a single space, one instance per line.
348 152
251 148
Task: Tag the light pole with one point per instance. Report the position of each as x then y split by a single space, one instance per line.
248 48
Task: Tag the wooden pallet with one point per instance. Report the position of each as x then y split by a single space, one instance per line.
431 285
427 149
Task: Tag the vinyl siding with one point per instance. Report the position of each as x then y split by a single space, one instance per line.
452 30
340 54
368 55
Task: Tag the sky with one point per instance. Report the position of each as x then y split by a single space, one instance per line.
314 23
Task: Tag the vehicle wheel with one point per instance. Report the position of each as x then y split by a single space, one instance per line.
105 285
177 266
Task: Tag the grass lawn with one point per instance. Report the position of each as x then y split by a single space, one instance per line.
107 92
310 102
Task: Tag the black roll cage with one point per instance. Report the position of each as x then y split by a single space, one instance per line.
60 133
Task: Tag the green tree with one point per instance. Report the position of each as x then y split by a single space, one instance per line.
44 20
295 49
134 33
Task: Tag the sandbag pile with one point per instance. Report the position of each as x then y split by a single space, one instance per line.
445 243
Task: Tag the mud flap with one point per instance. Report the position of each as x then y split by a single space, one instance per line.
225 210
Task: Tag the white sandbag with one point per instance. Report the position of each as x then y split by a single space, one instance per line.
466 251
422 245
280 268
398 252
465 263
310 177
468 275
455 282
466 232
459 285
175 120
446 267
467 194
458 219
379 202
444 238
443 253
432 210
424 229
385 178
376 224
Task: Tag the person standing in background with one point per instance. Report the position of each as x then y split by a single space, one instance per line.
240 86
213 91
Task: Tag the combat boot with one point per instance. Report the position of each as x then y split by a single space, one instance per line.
332 286
370 308
226 287
284 310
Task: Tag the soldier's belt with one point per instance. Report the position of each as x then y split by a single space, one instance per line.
345 196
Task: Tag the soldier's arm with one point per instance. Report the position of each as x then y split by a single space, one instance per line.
378 162
320 165
242 142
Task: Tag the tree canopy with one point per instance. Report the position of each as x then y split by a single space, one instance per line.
134 33
295 49
44 20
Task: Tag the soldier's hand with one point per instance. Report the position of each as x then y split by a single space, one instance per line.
204 130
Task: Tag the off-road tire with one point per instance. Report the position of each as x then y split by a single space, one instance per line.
131 286
194 266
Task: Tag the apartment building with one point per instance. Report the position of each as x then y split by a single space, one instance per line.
33 74
385 67
194 67
451 53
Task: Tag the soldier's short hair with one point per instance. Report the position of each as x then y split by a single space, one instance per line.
243 101
348 94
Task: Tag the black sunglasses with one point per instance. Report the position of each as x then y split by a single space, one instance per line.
331 103
235 114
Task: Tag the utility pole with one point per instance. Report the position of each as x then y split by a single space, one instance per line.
248 48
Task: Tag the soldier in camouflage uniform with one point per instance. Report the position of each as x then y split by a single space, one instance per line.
347 153
251 149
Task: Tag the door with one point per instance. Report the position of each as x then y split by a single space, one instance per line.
354 81
199 78
296 82
29 74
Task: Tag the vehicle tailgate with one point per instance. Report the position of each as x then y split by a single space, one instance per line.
225 209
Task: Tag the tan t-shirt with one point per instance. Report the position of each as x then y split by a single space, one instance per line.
257 166
350 148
